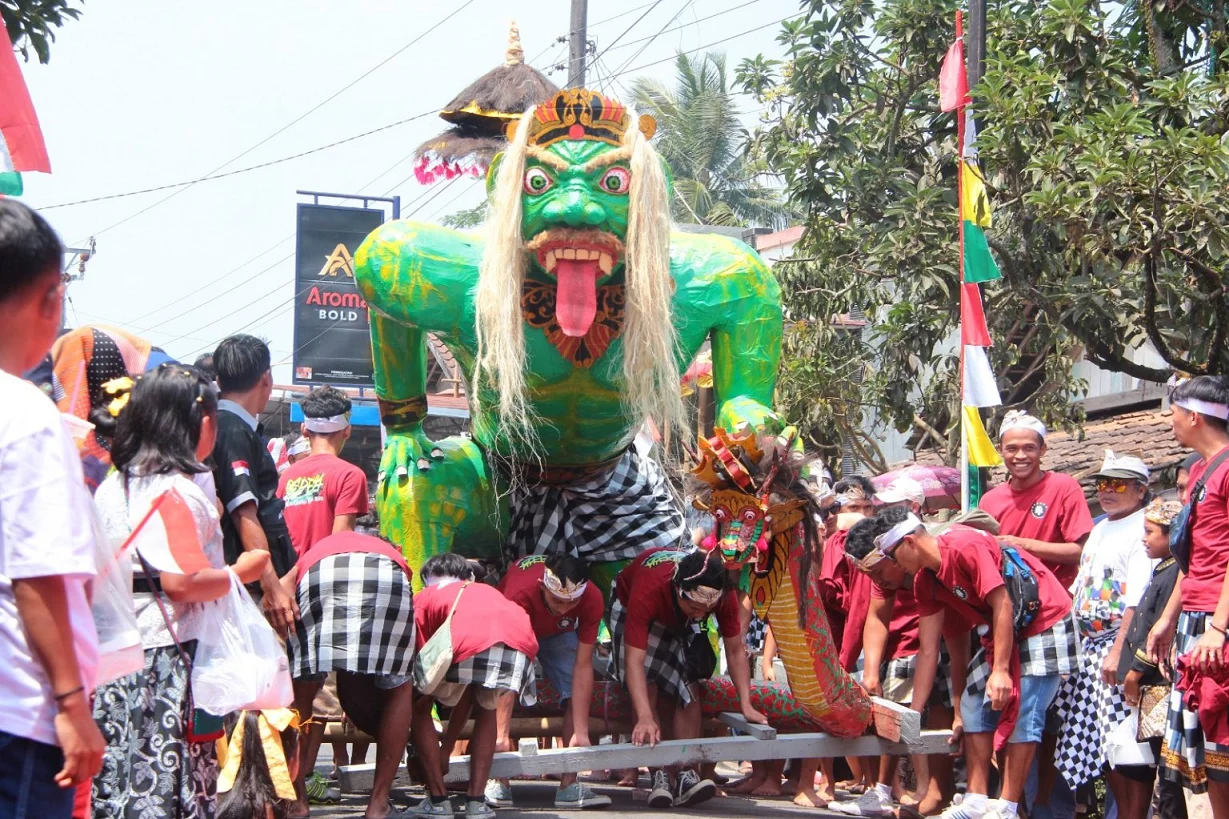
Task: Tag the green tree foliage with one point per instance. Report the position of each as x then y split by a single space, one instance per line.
702 138
1103 137
31 24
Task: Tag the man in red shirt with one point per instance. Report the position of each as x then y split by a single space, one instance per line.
1029 640
323 494
1196 743
660 653
889 644
493 648
1042 512
565 610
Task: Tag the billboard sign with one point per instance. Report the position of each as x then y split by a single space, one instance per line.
332 336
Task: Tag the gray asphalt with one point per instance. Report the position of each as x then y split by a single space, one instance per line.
534 800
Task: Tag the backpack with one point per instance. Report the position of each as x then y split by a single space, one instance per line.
1022 588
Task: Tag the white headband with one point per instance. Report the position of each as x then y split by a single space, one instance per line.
1018 419
704 595
564 591
1126 463
889 539
438 580
334 423
300 447
1204 407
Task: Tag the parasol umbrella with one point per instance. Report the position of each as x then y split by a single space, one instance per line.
480 115
940 483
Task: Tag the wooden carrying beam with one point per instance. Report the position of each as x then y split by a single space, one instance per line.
672 752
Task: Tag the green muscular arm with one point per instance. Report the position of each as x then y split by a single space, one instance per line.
747 343
415 278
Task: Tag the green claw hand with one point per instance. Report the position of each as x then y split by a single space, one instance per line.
435 497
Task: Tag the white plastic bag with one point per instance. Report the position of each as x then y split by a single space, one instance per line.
1121 747
240 664
119 640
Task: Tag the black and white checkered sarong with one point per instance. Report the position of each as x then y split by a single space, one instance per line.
498 668
1088 710
1054 651
613 516
356 614
1187 756
665 661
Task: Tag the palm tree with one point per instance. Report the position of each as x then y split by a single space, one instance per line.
702 139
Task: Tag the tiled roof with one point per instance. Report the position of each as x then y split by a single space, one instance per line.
1146 433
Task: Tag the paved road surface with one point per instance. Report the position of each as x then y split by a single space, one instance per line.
534 801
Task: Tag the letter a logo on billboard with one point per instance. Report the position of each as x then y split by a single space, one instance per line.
338 261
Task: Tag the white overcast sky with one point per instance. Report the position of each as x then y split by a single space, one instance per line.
141 93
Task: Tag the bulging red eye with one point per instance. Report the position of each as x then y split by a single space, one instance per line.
537 181
617 180
749 516
720 513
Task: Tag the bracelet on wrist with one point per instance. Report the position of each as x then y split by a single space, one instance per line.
1215 627
61 697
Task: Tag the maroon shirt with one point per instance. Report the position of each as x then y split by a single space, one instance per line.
1209 539
645 590
1053 510
523 586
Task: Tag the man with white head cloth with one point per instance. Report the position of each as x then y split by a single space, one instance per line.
1040 511
566 609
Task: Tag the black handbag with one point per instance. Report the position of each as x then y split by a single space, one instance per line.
1022 588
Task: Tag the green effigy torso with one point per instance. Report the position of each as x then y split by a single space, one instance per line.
720 283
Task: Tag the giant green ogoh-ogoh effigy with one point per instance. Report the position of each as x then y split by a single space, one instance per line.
571 318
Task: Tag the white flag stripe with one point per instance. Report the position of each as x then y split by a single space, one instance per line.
980 388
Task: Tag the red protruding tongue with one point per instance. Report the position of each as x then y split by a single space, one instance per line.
576 295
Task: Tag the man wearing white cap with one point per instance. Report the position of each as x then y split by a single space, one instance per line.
1114 571
903 491
1042 512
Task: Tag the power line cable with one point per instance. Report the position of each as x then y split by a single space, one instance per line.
663 30
715 15
280 307
297 119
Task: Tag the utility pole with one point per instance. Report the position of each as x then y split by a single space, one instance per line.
578 43
76 256
977 41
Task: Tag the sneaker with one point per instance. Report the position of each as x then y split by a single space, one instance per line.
498 794
319 792
426 809
871 803
998 811
577 795
659 795
478 809
959 810
692 790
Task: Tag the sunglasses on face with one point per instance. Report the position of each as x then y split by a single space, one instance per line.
1117 485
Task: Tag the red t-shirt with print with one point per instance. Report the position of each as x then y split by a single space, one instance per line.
523 586
315 490
970 568
1209 539
1053 510
484 617
646 580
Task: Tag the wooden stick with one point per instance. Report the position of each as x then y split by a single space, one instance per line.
672 752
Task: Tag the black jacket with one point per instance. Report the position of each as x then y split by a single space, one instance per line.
1149 609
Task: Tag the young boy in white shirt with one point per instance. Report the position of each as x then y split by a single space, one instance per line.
49 743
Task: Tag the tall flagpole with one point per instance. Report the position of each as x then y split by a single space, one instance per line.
964 437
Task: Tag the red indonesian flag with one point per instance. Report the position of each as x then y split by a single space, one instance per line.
973 330
21 138
953 82
166 536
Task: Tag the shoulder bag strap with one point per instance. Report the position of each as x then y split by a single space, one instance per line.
1209 472
455 600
